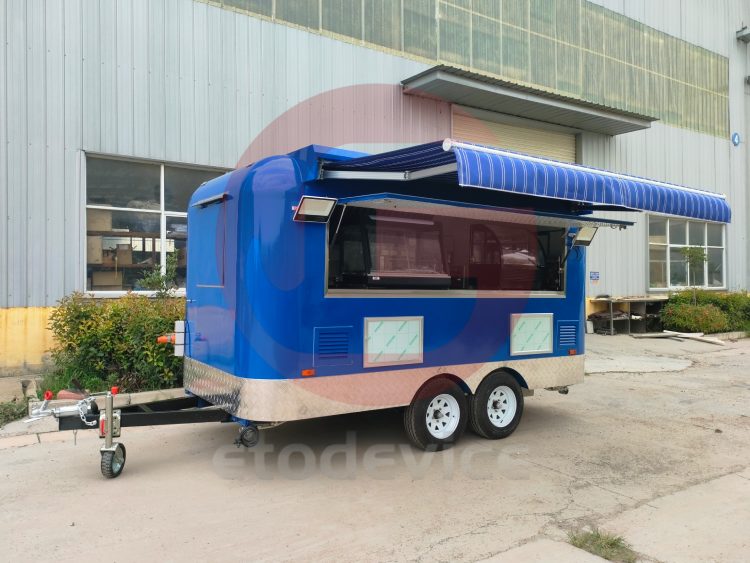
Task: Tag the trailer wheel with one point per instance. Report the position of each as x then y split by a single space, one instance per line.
437 416
497 406
113 461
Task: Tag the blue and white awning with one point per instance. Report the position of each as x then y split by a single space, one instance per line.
485 167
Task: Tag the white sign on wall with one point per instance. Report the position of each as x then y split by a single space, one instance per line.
393 341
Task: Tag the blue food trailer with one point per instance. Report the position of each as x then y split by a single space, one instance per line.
447 278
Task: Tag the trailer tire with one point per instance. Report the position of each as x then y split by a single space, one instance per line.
437 416
113 461
497 406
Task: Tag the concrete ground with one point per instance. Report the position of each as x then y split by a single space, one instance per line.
14 388
653 446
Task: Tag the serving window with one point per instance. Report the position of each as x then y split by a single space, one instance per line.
377 249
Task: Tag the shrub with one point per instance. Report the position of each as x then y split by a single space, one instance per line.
12 410
686 317
100 343
161 283
736 305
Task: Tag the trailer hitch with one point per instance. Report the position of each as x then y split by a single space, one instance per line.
83 409
113 454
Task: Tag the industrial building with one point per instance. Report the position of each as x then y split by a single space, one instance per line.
113 111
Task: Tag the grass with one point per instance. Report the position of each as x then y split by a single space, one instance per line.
12 410
608 546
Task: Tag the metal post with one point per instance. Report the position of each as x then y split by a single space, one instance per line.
109 411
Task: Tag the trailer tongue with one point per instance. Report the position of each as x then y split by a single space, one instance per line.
86 415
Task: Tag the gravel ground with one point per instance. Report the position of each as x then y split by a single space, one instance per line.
350 488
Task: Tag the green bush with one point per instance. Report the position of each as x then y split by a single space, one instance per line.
736 305
686 317
100 343
12 410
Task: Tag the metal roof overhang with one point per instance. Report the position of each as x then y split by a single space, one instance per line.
486 92
477 166
438 207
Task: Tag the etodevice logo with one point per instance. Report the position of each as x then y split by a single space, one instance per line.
356 458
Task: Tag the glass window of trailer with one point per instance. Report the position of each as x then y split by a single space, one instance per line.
375 249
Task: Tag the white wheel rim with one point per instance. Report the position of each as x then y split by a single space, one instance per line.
501 406
443 414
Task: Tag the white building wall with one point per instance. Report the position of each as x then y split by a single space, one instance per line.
172 80
678 155
185 81
691 20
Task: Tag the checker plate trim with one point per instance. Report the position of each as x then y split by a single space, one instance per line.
276 400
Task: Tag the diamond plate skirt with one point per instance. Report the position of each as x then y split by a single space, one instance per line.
281 400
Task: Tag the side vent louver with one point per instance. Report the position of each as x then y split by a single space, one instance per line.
332 346
567 334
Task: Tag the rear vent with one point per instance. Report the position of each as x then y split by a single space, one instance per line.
567 334
332 346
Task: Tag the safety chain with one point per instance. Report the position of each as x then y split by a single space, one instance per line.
83 406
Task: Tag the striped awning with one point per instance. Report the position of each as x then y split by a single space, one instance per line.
478 166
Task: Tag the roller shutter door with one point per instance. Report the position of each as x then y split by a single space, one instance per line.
552 144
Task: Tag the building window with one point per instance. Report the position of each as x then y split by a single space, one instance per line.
136 219
374 249
668 268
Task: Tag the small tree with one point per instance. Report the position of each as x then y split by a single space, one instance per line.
695 256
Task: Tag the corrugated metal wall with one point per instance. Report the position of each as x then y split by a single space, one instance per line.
171 80
695 21
572 47
677 155
39 234
185 81
668 154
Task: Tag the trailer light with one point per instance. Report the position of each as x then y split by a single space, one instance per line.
115 390
313 209
572 352
166 339
307 372
48 395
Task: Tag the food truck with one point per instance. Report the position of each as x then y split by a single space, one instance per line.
445 278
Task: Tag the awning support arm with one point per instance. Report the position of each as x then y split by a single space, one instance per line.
404 176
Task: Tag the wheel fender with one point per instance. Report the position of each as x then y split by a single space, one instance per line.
448 377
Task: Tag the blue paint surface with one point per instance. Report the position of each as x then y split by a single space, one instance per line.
256 279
